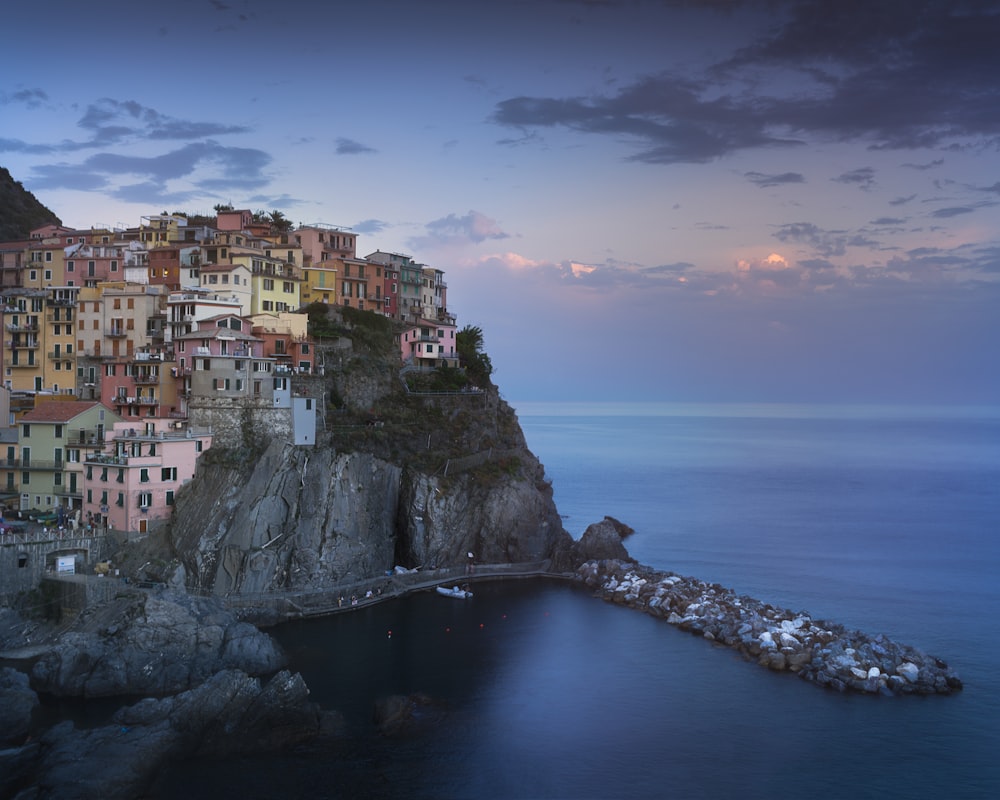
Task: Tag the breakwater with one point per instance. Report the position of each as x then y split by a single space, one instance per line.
821 652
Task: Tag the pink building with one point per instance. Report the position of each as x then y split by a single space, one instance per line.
429 343
134 481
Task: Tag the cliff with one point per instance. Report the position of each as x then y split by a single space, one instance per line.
396 478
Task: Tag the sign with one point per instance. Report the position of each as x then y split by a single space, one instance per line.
104 509
65 565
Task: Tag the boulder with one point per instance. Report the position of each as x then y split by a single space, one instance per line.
229 714
152 644
17 703
602 541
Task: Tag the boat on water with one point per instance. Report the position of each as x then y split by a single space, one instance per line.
454 591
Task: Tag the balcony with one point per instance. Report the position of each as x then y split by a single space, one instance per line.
26 327
146 380
116 333
106 459
8 362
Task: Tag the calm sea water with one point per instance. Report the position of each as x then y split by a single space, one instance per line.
887 520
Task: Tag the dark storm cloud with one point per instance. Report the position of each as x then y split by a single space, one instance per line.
766 181
349 147
895 74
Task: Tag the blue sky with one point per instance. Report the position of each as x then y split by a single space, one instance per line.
720 200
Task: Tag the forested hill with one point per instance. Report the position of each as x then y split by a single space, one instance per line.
20 210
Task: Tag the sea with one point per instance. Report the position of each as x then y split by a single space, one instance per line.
884 519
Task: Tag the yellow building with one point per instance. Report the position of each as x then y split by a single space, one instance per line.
39 352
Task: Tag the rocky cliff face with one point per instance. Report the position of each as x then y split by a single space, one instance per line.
414 481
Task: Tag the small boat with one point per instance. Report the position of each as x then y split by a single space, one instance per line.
454 591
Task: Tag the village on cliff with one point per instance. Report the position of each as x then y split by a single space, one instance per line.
129 352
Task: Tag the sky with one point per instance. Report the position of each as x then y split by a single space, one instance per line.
645 200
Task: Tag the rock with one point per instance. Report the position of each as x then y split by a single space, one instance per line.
399 715
17 704
229 714
908 671
159 644
601 541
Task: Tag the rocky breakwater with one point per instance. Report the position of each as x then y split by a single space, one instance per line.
823 653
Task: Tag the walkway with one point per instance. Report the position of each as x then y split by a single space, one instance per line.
341 597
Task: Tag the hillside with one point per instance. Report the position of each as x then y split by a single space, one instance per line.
20 210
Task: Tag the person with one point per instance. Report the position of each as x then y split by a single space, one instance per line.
471 566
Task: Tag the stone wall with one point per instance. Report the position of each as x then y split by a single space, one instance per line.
26 560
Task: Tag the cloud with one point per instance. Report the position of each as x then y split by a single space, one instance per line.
837 72
953 211
31 98
474 227
671 118
863 178
216 167
765 181
902 201
824 243
930 165
349 147
370 226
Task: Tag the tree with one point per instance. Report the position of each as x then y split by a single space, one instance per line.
471 355
279 223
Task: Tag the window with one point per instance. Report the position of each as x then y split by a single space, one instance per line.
168 474
268 284
26 431
58 432
48 272
120 502
170 497
144 475
145 500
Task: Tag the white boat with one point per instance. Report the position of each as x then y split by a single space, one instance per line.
454 591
